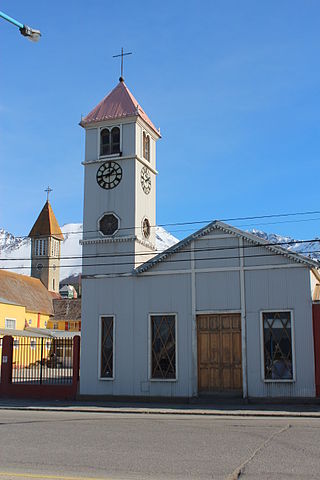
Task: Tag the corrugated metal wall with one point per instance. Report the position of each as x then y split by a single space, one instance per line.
316 338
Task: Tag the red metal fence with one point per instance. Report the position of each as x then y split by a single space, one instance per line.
316 339
40 367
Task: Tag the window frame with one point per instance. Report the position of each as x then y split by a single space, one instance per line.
13 320
293 351
98 224
110 155
108 379
154 314
146 140
41 247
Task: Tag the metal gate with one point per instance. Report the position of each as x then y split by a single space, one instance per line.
0 355
42 360
40 367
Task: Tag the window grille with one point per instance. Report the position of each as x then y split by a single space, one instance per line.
277 339
10 323
163 347
106 370
40 247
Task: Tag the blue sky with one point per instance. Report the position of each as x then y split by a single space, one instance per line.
233 84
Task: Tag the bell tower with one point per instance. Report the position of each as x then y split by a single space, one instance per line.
120 185
46 238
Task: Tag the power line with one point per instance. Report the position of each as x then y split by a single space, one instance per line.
196 222
147 253
171 261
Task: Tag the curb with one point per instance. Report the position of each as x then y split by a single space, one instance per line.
212 413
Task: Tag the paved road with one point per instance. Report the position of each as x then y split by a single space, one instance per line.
66 445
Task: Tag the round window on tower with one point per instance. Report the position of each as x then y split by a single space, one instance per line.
146 228
108 224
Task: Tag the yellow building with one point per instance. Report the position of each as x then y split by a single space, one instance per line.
24 302
67 315
34 302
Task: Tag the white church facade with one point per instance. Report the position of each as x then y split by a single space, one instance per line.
221 312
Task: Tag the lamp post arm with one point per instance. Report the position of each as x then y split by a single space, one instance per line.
11 20
31 33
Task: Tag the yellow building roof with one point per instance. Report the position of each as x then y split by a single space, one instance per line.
26 291
46 224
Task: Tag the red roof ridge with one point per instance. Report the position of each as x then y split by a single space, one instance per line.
119 103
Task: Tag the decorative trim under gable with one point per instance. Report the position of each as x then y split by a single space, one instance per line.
131 238
146 243
91 241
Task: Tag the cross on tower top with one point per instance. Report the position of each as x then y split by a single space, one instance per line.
48 190
121 79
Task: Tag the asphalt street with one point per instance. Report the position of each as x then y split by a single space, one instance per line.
70 446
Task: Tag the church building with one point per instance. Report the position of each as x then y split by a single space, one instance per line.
46 238
220 312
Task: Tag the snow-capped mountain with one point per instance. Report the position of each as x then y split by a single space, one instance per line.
15 251
308 249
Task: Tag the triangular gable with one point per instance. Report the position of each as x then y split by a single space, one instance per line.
217 225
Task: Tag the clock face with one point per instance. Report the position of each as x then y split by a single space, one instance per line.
109 175
145 180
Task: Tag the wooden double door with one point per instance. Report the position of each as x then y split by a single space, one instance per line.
219 353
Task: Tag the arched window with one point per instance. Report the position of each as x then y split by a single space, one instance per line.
146 146
110 141
105 142
115 140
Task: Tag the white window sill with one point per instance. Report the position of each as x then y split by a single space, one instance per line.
163 380
285 380
106 379
112 155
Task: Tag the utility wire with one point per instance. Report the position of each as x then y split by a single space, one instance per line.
170 260
157 252
197 222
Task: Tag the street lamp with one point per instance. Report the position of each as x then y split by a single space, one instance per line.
30 33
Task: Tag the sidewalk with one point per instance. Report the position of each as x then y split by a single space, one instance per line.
217 409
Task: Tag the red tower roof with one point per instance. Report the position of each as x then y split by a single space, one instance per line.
119 103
